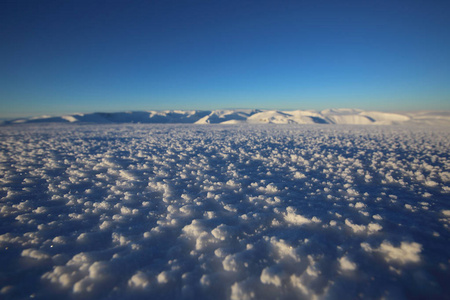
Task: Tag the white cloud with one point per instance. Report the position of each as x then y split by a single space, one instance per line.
35 254
407 252
346 264
238 211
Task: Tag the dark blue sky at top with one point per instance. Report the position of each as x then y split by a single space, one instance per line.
84 56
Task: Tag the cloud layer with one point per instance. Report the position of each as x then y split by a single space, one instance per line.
225 212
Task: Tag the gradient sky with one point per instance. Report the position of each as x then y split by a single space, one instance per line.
82 56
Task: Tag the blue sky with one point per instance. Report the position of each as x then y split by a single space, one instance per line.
83 56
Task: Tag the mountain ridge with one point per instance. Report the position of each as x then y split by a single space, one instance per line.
252 116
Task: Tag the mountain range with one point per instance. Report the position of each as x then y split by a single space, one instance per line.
251 116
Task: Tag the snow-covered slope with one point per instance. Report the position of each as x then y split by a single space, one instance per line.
272 117
328 116
226 116
430 117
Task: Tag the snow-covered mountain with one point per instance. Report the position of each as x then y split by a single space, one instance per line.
236 116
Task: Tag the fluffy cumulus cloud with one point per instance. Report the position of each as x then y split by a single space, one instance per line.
346 264
140 211
406 252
